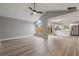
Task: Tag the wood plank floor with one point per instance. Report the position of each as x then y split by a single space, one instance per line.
36 46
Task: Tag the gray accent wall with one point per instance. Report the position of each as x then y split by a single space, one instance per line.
16 28
0 30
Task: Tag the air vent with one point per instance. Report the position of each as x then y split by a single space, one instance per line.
72 8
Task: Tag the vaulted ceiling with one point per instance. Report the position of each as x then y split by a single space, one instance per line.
22 12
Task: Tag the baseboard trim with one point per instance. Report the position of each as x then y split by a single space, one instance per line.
16 37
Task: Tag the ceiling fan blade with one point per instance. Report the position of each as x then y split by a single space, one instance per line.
31 13
39 12
30 8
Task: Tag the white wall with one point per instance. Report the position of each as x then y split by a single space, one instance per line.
16 28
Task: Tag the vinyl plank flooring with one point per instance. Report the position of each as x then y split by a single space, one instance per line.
36 46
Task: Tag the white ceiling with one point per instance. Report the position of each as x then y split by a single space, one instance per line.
66 18
21 11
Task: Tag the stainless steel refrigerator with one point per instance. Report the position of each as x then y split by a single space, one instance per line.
75 30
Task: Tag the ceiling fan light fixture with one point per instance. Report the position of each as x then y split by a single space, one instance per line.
34 12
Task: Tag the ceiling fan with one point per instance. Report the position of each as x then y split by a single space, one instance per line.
34 10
